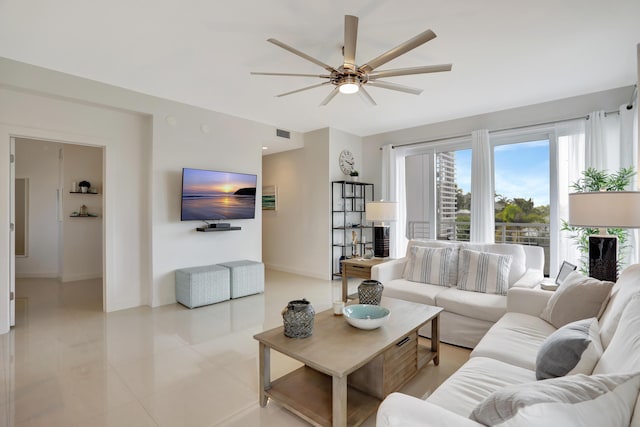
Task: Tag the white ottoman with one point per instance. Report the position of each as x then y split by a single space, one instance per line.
247 277
198 286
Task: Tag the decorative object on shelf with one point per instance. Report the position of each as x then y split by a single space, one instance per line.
354 242
370 292
354 176
366 316
346 162
74 187
368 252
269 198
298 317
381 211
83 210
604 210
84 186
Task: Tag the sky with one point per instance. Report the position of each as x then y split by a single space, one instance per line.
521 170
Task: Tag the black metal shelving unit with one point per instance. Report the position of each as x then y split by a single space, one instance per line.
348 216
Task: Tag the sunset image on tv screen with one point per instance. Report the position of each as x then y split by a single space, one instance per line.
212 195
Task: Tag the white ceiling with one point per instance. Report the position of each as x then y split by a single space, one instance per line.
505 53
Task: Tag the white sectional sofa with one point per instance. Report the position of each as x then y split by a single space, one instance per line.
500 376
467 315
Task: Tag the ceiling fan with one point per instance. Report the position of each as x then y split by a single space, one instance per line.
349 78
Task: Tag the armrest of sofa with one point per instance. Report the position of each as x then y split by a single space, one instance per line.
527 301
388 270
403 410
530 279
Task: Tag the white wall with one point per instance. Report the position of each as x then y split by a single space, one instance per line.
39 162
144 153
297 237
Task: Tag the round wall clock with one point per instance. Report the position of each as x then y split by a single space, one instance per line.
346 162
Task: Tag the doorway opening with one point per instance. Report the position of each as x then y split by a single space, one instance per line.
58 210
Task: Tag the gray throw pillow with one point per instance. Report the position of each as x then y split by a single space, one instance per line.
573 349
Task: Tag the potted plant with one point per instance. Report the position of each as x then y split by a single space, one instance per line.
598 180
354 175
84 186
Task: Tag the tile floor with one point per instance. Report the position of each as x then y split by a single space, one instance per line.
66 363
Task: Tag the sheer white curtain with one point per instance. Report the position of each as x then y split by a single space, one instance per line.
394 189
596 153
482 188
629 157
570 146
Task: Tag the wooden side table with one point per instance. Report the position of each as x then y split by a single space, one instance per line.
357 267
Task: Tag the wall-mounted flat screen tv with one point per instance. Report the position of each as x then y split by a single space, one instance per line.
215 195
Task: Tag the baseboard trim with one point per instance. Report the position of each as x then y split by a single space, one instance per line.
77 277
296 271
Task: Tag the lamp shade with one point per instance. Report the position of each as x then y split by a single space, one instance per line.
614 209
382 211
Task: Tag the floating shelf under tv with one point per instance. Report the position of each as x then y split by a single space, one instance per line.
207 229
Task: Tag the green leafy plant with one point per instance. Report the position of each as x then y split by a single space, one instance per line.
599 180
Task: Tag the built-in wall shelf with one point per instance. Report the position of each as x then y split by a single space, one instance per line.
80 192
208 229
85 216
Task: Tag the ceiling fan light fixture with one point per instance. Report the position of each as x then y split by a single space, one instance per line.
349 88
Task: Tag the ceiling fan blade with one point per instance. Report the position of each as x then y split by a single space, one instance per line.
350 39
295 51
410 71
395 86
329 97
303 89
322 76
366 97
403 48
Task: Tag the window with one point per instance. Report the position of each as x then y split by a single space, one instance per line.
453 197
522 193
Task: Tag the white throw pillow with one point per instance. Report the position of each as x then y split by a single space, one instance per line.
484 272
577 400
429 265
579 297
573 349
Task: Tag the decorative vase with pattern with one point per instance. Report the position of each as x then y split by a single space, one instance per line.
370 292
298 317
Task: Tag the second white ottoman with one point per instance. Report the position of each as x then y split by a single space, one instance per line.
247 277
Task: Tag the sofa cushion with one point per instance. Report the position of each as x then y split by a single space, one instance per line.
514 339
475 381
579 297
628 284
573 349
453 272
623 353
577 400
430 265
518 260
422 293
490 307
483 272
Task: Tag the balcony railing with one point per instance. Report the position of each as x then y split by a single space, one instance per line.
532 234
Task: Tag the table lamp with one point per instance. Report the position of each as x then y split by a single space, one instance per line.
604 209
380 212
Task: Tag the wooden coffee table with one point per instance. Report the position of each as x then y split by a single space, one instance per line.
348 371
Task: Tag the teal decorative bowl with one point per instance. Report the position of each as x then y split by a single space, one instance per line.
365 316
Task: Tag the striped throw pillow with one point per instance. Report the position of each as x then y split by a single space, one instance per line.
429 265
484 272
